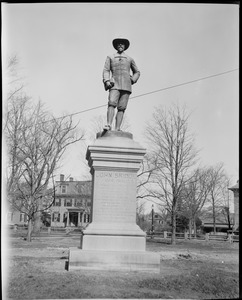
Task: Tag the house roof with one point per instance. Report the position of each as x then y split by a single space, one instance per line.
218 225
75 209
75 188
220 218
234 187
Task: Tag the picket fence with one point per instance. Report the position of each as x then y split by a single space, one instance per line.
206 237
157 235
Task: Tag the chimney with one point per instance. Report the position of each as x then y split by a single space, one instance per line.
71 178
62 177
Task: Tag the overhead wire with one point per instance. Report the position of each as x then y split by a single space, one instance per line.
152 92
184 83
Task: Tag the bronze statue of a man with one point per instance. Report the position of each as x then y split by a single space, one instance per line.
118 80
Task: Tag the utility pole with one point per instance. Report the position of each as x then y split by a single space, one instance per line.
152 220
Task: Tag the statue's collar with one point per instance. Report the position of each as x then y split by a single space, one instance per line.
120 55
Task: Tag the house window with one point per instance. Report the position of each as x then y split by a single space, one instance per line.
63 189
56 217
78 202
79 188
57 202
86 218
21 217
64 217
86 202
68 202
10 217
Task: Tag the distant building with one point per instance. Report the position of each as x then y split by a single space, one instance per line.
157 219
221 224
72 203
235 190
161 220
17 213
15 217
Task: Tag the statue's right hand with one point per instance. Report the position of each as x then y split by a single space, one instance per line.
108 85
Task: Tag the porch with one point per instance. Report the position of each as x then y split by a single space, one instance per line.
74 217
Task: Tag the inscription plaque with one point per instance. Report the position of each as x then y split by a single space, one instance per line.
115 197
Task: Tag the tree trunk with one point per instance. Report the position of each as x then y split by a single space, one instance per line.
195 227
214 220
228 217
190 228
29 233
173 224
37 218
37 223
38 215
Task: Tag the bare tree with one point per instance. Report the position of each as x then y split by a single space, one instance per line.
36 141
173 155
140 215
195 195
226 203
16 105
13 85
14 126
84 188
145 180
218 182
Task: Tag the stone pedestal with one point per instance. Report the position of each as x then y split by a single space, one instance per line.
113 240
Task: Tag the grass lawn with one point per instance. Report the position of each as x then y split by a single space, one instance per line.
189 270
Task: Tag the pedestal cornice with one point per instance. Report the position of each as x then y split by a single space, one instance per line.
115 148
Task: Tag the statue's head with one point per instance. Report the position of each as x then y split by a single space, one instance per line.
121 40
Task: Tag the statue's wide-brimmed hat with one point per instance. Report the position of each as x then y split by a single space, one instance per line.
121 40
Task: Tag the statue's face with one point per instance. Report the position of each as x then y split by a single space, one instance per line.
120 47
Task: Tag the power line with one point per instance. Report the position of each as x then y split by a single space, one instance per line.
184 83
152 92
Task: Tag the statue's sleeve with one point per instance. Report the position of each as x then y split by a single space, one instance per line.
106 69
135 70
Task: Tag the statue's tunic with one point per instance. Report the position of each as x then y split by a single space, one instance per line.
119 65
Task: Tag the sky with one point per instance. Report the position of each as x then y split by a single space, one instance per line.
62 48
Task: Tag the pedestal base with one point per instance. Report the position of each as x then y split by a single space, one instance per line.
113 240
113 243
113 260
